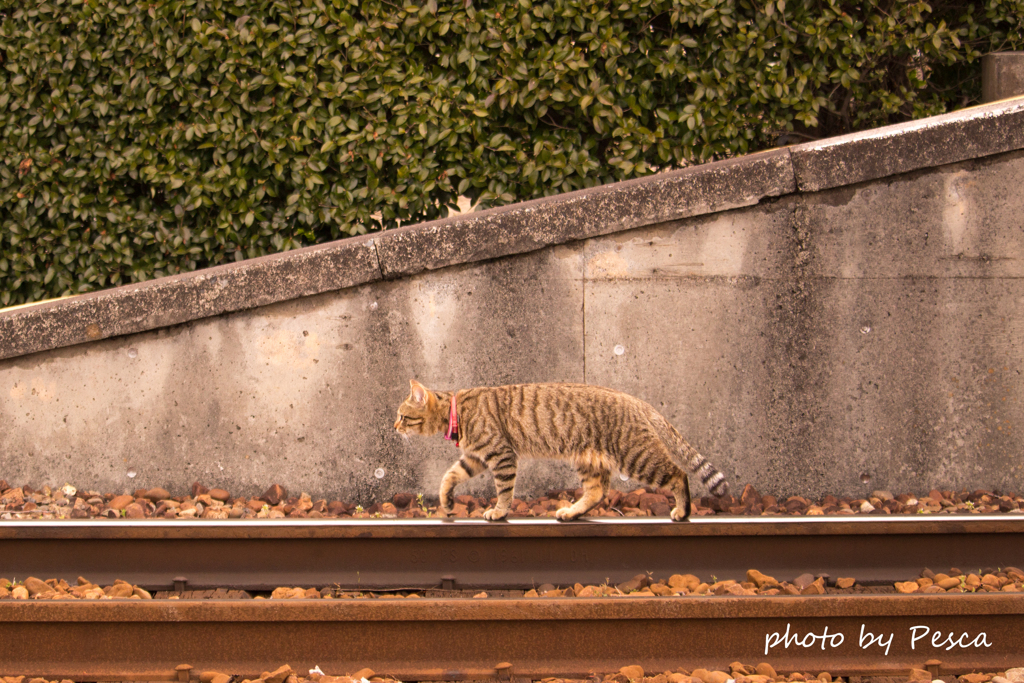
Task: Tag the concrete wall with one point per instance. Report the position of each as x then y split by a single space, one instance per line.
805 316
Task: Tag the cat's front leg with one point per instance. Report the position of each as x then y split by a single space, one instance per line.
503 466
466 467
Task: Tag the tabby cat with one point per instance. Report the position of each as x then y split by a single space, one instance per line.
598 430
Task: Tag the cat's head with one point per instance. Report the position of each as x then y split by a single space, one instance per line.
421 412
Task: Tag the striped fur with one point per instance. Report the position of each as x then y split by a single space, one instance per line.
597 429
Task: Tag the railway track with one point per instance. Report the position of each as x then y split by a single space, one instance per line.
260 555
454 639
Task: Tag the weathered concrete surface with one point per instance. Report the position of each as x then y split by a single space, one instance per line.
873 330
683 316
1002 75
302 393
801 340
915 343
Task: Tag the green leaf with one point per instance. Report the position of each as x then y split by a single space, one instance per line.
329 119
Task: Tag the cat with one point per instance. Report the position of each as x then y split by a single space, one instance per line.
596 429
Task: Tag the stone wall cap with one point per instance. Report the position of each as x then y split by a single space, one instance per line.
515 229
531 225
189 296
964 134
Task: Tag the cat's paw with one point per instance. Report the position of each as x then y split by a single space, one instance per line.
679 515
566 514
495 515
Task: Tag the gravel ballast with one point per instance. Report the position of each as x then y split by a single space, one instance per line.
1001 580
737 673
70 502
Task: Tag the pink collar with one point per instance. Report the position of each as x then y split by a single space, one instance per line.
453 423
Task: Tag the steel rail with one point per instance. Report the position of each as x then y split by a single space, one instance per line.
386 554
465 638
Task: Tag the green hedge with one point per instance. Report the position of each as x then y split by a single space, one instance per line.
147 138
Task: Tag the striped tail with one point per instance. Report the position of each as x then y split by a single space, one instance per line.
709 476
708 473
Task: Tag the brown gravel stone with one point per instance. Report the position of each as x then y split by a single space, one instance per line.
633 673
157 494
278 675
716 677
274 495
761 580
991 580
741 668
134 511
906 586
119 590
403 500
845 582
975 678
120 502
803 581
12 497
19 593
364 673
219 494
765 669
36 586
688 582
630 586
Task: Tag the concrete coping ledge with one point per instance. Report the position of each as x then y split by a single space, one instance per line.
515 229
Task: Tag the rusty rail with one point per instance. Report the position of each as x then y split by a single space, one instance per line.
465 639
521 553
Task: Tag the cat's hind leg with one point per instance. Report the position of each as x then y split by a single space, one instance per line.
595 476
651 463
466 467
679 484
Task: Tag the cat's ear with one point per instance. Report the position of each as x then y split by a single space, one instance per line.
418 392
